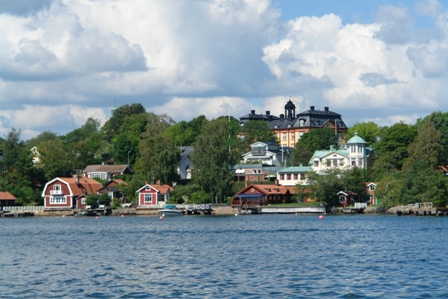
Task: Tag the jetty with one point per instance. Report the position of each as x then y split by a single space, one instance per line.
244 210
421 209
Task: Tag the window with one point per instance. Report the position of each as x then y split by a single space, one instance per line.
284 136
288 176
328 162
57 187
353 162
83 201
58 200
148 197
335 162
316 163
360 163
372 187
342 199
282 176
296 176
292 136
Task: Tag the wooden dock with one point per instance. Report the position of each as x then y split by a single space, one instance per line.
421 209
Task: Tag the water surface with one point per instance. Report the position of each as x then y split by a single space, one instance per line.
258 256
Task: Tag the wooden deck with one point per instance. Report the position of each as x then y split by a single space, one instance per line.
421 209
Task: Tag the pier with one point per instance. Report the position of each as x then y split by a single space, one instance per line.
421 209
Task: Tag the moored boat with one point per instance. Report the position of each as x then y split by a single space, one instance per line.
170 210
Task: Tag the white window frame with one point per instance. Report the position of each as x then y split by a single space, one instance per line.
58 200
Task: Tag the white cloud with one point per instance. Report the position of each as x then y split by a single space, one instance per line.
187 58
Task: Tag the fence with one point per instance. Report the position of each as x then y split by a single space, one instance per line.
23 208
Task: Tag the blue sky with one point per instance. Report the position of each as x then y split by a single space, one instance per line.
62 61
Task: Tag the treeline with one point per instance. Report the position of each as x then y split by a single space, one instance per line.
149 142
405 159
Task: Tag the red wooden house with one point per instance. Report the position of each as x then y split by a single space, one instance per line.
153 195
68 193
7 200
112 189
262 194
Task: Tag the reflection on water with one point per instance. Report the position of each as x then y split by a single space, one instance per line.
263 256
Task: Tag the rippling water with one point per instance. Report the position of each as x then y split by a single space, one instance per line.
260 256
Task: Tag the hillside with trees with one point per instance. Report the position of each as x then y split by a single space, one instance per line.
405 161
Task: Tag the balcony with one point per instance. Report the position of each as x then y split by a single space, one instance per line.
56 192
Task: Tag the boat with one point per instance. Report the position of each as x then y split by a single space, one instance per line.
170 210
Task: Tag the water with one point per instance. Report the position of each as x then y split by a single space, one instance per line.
263 256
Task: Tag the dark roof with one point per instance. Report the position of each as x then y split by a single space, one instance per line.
107 168
311 118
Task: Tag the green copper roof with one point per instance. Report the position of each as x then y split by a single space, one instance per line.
356 139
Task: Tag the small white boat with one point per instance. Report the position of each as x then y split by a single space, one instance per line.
170 210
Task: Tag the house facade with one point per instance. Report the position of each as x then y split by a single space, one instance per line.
68 192
267 153
185 166
355 155
293 175
106 172
289 127
111 188
154 195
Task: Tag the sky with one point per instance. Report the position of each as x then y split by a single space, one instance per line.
63 61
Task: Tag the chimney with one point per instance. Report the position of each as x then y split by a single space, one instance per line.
158 182
326 109
312 108
252 112
268 112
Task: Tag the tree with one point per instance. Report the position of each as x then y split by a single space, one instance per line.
92 200
369 131
256 130
426 146
394 142
104 199
113 125
213 160
440 122
312 141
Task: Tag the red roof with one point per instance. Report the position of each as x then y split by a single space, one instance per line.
5 195
90 185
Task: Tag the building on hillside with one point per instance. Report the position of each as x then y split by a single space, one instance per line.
371 198
255 172
185 166
112 189
291 176
69 192
37 157
290 126
355 154
267 153
262 194
153 195
7 200
106 172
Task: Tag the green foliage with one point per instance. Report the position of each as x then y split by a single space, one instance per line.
253 131
426 147
394 142
312 141
440 122
182 192
104 199
92 200
213 160
113 126
185 133
326 185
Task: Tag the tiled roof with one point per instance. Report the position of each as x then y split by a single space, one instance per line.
89 185
5 195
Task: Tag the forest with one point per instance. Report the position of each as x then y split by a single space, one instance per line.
405 163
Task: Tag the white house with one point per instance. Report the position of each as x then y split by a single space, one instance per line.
267 153
293 175
355 154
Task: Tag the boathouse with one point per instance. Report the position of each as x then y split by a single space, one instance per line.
262 194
